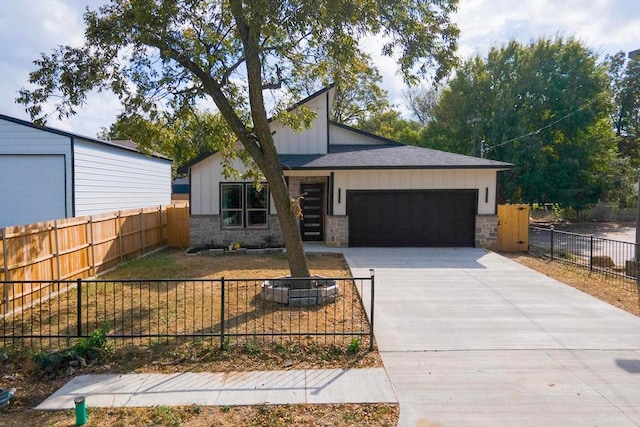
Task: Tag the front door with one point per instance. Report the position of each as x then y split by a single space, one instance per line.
312 222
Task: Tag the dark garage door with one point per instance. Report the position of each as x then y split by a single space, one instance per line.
411 218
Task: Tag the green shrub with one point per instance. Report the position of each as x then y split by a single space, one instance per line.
96 341
354 346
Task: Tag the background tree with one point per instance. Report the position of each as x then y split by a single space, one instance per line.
391 125
167 55
544 107
422 101
624 76
181 137
359 96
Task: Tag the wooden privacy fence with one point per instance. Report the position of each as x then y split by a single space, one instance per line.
513 228
81 247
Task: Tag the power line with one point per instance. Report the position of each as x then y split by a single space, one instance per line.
537 131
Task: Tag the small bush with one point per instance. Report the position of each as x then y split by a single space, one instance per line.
354 346
96 342
251 348
226 344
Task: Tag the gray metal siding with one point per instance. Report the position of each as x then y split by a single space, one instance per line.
26 150
33 188
108 179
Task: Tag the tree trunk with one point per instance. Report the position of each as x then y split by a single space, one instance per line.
259 143
288 223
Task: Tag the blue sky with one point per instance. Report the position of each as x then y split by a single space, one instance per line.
28 27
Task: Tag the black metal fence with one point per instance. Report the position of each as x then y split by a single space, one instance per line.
613 259
137 312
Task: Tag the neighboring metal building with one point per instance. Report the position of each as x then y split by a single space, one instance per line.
48 174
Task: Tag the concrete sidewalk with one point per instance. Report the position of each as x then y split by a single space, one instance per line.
226 388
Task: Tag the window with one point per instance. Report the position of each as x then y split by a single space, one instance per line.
242 205
231 205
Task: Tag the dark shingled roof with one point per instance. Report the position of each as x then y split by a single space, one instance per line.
387 156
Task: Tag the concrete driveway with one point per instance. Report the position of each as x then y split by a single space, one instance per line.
470 338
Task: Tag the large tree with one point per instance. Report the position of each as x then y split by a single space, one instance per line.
170 54
391 125
542 106
624 76
422 101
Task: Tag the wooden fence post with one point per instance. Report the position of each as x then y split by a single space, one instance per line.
93 248
5 295
119 230
160 225
141 231
55 231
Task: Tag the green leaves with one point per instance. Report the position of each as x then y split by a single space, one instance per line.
542 107
163 57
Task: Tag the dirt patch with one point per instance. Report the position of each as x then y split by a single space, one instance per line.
622 296
346 415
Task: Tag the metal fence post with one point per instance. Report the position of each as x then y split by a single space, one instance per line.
372 271
79 310
222 314
551 242
591 252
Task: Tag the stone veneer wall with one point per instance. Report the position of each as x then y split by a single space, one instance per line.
205 230
337 231
486 231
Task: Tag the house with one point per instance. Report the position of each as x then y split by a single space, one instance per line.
358 190
180 189
48 174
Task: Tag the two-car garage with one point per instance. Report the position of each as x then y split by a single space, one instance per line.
412 218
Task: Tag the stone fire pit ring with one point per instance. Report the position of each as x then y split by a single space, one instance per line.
297 293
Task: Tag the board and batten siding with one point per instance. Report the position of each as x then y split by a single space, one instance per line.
342 136
416 179
310 141
30 161
206 177
109 179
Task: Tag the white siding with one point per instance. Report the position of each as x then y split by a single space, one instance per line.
417 180
309 141
342 136
206 177
108 179
26 142
205 184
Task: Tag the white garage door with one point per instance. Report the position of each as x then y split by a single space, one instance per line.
32 189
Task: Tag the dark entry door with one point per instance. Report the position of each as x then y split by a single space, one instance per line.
415 218
312 222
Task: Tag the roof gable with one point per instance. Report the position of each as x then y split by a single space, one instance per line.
351 148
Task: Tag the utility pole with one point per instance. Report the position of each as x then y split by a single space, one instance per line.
473 122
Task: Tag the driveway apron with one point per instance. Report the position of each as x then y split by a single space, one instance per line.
470 338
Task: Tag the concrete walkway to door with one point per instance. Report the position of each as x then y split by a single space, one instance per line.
470 338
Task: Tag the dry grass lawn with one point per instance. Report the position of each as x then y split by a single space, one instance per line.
624 296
